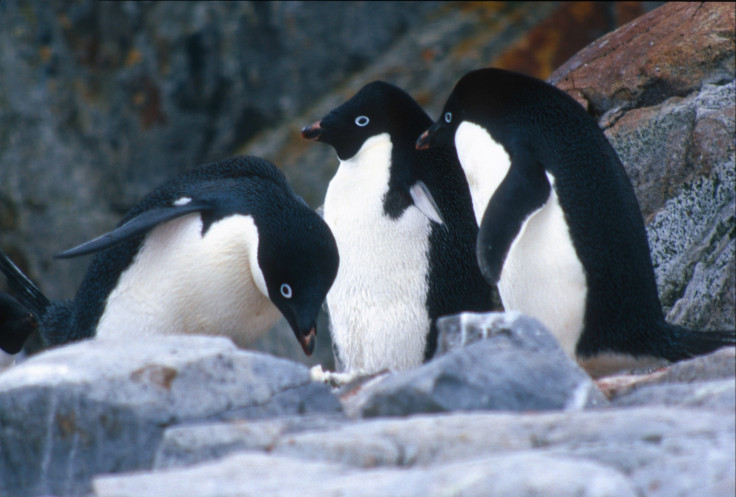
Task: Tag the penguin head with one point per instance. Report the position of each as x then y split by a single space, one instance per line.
297 261
488 97
377 108
381 110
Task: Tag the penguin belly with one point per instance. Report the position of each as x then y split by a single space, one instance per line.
181 282
377 304
543 277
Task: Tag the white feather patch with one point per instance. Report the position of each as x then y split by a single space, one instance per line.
377 303
181 282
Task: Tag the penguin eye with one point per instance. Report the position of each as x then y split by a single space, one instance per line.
362 121
286 291
448 117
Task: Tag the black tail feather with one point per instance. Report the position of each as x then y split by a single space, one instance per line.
23 288
688 343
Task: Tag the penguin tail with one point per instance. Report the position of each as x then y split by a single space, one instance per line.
689 343
19 315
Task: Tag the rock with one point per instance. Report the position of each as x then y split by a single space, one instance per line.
99 406
101 102
187 444
720 364
518 475
716 394
602 445
670 51
520 367
463 329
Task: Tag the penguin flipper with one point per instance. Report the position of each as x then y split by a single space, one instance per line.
137 226
424 201
524 190
26 291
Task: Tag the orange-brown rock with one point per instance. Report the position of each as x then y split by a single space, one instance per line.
669 51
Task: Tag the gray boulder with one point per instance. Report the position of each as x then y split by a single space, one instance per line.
519 366
244 475
634 451
96 407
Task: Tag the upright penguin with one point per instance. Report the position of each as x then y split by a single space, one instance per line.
561 231
401 267
222 249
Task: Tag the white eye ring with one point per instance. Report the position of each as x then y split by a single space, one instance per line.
362 121
448 117
286 291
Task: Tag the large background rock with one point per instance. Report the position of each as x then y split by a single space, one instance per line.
100 101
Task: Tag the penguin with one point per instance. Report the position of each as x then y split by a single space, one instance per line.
561 231
225 248
404 227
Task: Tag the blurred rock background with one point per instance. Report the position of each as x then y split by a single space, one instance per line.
101 101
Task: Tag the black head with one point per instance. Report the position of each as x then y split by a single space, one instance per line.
474 99
504 102
298 257
377 108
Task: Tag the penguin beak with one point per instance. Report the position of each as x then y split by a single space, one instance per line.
428 137
313 132
308 341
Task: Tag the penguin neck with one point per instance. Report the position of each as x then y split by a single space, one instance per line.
484 161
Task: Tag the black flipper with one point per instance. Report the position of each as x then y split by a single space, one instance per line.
18 318
137 226
524 190
24 289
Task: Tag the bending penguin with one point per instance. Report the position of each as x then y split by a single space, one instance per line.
561 232
406 252
225 248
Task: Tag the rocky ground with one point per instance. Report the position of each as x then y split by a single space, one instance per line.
506 415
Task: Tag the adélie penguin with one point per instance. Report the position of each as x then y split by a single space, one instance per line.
225 249
561 232
405 230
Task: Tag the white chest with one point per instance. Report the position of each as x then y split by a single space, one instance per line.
377 307
181 282
541 275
